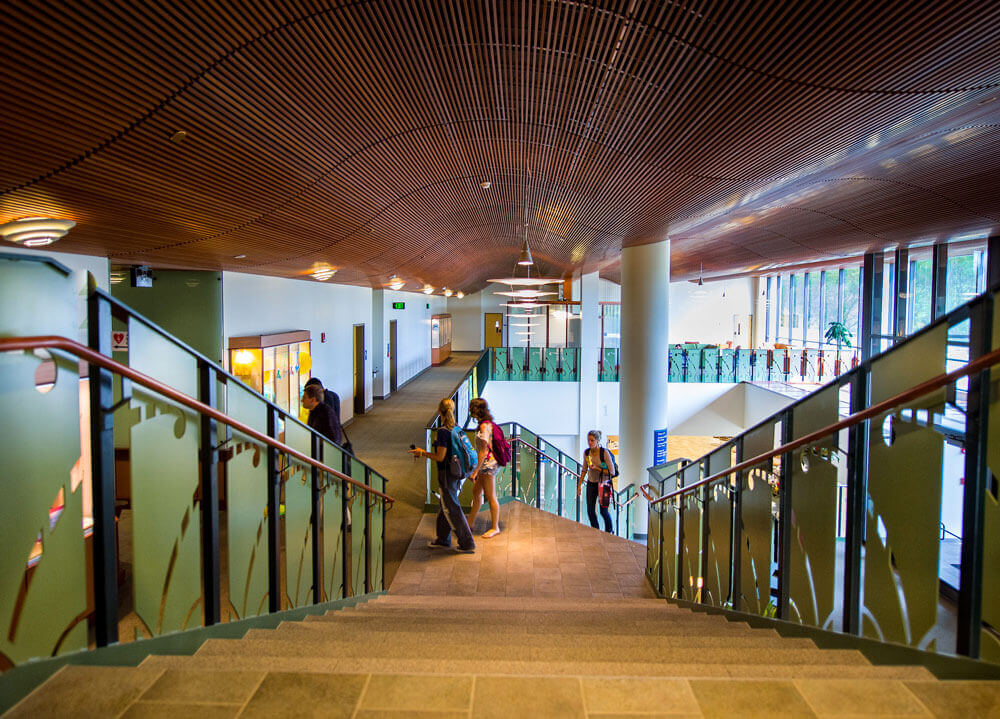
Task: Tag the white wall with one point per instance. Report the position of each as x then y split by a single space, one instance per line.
709 319
413 335
466 322
254 304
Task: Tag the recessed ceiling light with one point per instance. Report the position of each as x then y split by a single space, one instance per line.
178 137
239 257
486 184
428 290
460 294
322 272
447 292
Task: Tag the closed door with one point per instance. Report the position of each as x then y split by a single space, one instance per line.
493 329
359 369
392 355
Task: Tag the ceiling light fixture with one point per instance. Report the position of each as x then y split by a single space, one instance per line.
447 292
460 294
239 257
700 291
35 231
395 283
486 184
322 272
525 258
428 290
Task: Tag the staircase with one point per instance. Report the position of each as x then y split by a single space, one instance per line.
467 636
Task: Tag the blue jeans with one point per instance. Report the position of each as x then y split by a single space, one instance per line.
450 517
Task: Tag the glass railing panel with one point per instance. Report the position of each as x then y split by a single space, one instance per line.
901 585
727 365
296 478
744 369
759 359
691 579
46 517
356 527
778 368
165 491
718 514
504 475
669 536
570 364
757 521
570 501
989 637
376 532
534 363
332 524
518 363
244 575
608 371
551 369
654 542
548 472
813 566
811 365
675 366
527 462
710 365
500 370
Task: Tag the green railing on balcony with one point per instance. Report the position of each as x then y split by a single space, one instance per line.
534 364
221 506
837 523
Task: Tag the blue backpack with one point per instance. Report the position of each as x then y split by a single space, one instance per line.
463 457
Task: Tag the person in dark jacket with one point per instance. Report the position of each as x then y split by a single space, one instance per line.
331 400
321 417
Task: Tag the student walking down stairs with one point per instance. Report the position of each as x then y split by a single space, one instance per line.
548 619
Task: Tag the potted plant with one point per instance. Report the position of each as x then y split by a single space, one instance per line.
838 332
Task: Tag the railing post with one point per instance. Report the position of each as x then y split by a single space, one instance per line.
345 505
679 553
785 516
706 499
736 547
314 520
857 474
977 474
538 478
383 507
515 436
207 393
559 485
273 516
102 457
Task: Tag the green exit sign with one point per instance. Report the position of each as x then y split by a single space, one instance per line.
399 305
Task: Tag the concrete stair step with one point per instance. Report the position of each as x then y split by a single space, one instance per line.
315 632
455 627
465 651
532 668
517 603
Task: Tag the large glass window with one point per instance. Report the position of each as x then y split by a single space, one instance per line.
962 284
920 294
813 309
852 302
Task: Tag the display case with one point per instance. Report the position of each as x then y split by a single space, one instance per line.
440 338
276 365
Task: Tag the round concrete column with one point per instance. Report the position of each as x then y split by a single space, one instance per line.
643 363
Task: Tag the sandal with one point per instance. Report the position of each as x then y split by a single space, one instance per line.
491 533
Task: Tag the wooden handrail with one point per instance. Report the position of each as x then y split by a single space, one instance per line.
432 423
529 445
980 363
13 344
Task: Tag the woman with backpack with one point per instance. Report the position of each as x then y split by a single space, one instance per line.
597 469
451 475
484 476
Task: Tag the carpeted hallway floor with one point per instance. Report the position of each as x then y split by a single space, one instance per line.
382 436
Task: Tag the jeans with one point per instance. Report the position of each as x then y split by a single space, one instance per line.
450 516
592 509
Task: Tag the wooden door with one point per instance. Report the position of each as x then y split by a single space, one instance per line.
359 369
392 356
493 329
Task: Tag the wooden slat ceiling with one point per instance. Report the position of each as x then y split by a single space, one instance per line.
753 134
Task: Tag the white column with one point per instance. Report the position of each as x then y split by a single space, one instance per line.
380 375
590 348
643 363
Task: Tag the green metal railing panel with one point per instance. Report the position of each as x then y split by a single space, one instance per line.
499 363
608 371
710 365
246 502
904 488
675 366
358 516
727 366
534 362
989 641
813 552
691 579
720 535
166 519
527 461
692 365
757 522
505 475
551 363
333 525
297 482
42 596
744 369
570 364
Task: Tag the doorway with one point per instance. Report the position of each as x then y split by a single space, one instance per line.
493 329
392 356
359 369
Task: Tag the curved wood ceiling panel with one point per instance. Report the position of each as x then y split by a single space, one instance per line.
753 134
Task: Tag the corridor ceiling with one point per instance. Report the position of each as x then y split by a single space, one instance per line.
753 134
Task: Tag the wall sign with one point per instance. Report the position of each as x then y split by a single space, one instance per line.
399 305
659 447
119 341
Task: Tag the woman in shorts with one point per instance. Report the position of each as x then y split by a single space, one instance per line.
484 476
